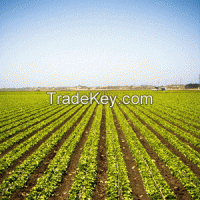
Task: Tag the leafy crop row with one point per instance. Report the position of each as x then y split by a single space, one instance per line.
19 109
22 172
175 114
16 153
181 103
49 117
87 168
186 150
53 175
16 120
14 127
172 119
118 183
176 166
15 130
154 183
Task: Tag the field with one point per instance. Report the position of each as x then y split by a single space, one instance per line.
96 151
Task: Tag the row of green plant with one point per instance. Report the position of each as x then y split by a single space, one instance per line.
48 118
154 183
17 120
27 125
86 174
22 172
19 103
16 126
167 115
187 104
17 152
47 184
118 183
19 109
176 114
185 149
176 166
156 116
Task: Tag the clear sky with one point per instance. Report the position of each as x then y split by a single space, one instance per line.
99 42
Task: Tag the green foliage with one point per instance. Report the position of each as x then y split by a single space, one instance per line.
22 172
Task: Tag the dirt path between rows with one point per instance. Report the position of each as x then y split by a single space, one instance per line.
21 193
31 150
102 163
175 151
174 183
62 191
134 176
32 134
177 125
178 136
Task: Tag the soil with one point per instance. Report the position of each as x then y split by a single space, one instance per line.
175 151
21 193
134 176
102 163
99 192
62 191
194 135
174 183
178 136
30 151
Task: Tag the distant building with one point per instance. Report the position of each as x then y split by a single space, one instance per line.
192 86
175 87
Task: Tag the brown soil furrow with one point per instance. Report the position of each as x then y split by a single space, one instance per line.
22 130
39 172
32 149
135 178
178 136
102 163
62 191
175 151
174 183
26 138
175 125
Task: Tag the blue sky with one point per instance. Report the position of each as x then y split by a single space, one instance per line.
98 43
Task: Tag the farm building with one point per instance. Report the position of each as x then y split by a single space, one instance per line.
192 86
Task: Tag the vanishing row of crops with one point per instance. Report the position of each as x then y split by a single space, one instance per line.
56 151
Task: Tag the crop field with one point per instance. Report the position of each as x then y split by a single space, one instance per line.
59 150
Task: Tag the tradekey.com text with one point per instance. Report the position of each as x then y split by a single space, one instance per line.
104 99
